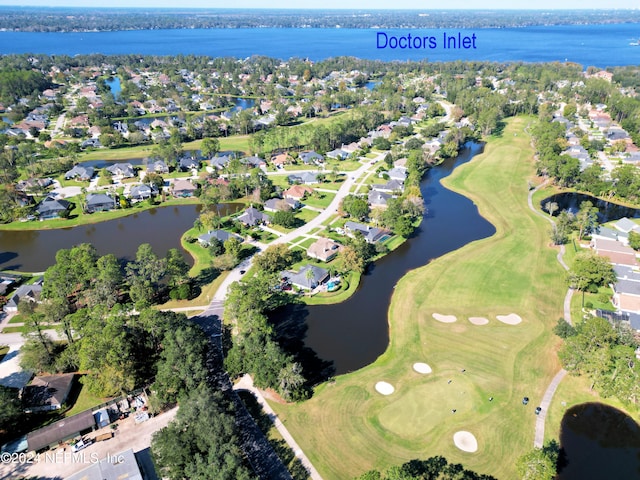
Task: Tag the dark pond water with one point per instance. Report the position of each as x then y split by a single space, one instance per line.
35 250
372 84
354 333
598 442
608 211
242 104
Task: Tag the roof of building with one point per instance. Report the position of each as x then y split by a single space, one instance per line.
221 235
48 390
25 292
625 225
126 467
181 185
629 287
323 248
99 199
300 279
607 245
60 430
253 216
297 191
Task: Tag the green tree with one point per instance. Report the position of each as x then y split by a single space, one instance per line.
11 414
355 206
586 219
202 442
209 147
634 240
177 267
590 271
275 258
233 246
285 219
539 463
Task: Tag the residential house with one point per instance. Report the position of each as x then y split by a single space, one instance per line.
324 249
625 225
183 188
51 208
281 204
370 234
297 192
59 431
252 217
254 162
280 160
626 296
338 154
311 157
307 281
24 293
156 166
306 178
47 393
221 235
378 199
390 187
616 252
99 202
188 163
142 192
398 173
80 172
220 162
121 170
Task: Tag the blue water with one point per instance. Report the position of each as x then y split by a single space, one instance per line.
598 45
242 104
114 85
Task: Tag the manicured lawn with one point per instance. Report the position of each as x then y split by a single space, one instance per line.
20 329
306 215
348 287
4 349
308 242
319 199
348 428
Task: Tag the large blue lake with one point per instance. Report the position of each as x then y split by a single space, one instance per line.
598 45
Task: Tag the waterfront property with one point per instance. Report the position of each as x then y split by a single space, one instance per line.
24 293
324 249
80 172
206 238
370 234
252 217
51 207
99 202
183 188
308 277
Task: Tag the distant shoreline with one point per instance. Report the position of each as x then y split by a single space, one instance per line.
89 19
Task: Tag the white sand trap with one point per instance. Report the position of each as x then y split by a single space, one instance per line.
384 388
511 319
421 367
479 320
465 441
445 318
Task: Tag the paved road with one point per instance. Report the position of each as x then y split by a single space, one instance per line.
553 386
246 383
263 459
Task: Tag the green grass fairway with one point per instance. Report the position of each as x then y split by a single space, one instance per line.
348 428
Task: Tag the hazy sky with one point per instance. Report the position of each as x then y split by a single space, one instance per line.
354 4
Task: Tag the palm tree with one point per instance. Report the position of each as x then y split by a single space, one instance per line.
309 276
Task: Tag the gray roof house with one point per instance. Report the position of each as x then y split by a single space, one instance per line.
277 204
141 192
157 166
311 157
305 178
80 173
253 216
124 170
126 467
378 199
625 225
60 431
397 173
188 163
99 202
254 162
316 277
389 187
46 393
220 162
27 293
51 208
338 153
371 234
222 235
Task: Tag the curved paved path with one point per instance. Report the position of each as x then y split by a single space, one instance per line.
538 441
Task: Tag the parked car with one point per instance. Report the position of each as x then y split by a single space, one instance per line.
538 410
525 400
80 444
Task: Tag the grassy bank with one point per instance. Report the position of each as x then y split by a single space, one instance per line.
348 428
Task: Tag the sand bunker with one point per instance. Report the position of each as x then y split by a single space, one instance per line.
465 441
478 320
384 388
445 318
421 367
511 319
